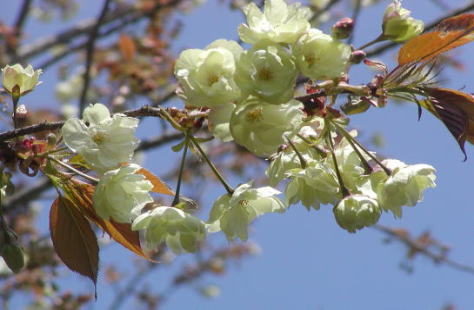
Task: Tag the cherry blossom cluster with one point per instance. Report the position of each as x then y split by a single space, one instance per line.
248 97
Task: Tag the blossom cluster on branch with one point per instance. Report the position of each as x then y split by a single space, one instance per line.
248 96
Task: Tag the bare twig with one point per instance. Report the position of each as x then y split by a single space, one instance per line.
90 54
18 26
413 244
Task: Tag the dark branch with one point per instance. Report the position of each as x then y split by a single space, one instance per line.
140 112
90 54
18 26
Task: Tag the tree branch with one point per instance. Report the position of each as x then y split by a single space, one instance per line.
140 112
420 248
90 54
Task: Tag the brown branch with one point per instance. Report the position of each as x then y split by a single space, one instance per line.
384 47
18 26
68 35
419 248
140 112
90 54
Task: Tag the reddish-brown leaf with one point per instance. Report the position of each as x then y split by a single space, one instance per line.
127 47
121 232
159 186
456 110
73 239
448 34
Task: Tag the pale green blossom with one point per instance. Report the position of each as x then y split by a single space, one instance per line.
102 140
397 25
206 76
314 185
181 231
278 23
267 72
262 127
355 212
26 79
233 213
405 186
319 56
219 119
122 193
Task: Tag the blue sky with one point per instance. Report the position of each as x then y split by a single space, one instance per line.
307 261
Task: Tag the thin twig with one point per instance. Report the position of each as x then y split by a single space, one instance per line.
355 18
437 258
18 26
90 54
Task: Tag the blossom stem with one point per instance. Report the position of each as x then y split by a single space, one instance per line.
300 157
15 100
314 146
181 168
82 174
380 38
372 156
344 190
227 187
368 169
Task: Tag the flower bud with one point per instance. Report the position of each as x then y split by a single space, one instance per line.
342 29
18 80
355 212
319 56
397 25
357 56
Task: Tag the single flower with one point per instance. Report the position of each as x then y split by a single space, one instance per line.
206 77
405 186
233 213
102 140
278 23
261 127
24 79
355 212
122 193
397 25
267 72
181 231
321 57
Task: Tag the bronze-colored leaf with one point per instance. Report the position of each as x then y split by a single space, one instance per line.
450 33
456 110
127 47
121 232
73 239
159 186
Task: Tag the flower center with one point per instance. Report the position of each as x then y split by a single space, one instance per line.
264 74
99 138
212 78
254 115
243 203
